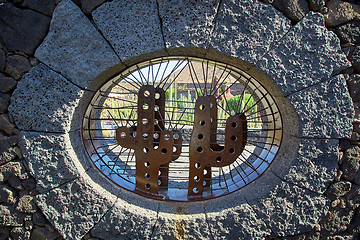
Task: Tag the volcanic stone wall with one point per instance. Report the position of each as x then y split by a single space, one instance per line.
23 27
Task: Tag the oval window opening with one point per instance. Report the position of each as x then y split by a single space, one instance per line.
209 129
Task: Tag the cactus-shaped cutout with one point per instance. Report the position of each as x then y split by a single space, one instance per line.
152 144
204 152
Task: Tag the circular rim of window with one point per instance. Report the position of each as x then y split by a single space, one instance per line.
182 128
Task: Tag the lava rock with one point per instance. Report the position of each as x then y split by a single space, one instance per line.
293 9
7 153
43 234
355 59
5 124
7 194
354 87
89 5
6 83
349 32
316 5
350 163
20 233
26 204
29 184
74 47
16 168
15 182
340 12
2 60
17 65
4 102
10 217
39 219
44 6
22 30
338 189
335 221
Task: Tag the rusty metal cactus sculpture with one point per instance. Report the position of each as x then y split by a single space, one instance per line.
204 151
152 144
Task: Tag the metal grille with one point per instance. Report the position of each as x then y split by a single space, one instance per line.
182 128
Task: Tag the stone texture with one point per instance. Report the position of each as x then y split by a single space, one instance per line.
187 23
338 189
46 100
350 163
22 30
44 6
20 233
43 234
130 30
316 5
336 221
247 29
6 125
127 220
15 168
50 159
181 221
325 110
26 204
6 83
355 59
7 153
73 46
340 12
349 32
2 60
240 222
7 194
74 208
307 55
4 102
15 182
293 9
354 87
314 167
89 5
29 184
17 65
39 219
289 210
10 217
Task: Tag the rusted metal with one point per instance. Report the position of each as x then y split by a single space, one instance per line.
204 152
152 150
149 143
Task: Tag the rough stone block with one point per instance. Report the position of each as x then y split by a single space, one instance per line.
349 32
306 55
128 220
247 29
74 208
314 166
17 65
50 159
325 110
187 23
181 221
290 210
15 168
46 100
129 29
22 29
10 217
240 222
340 12
74 47
293 9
